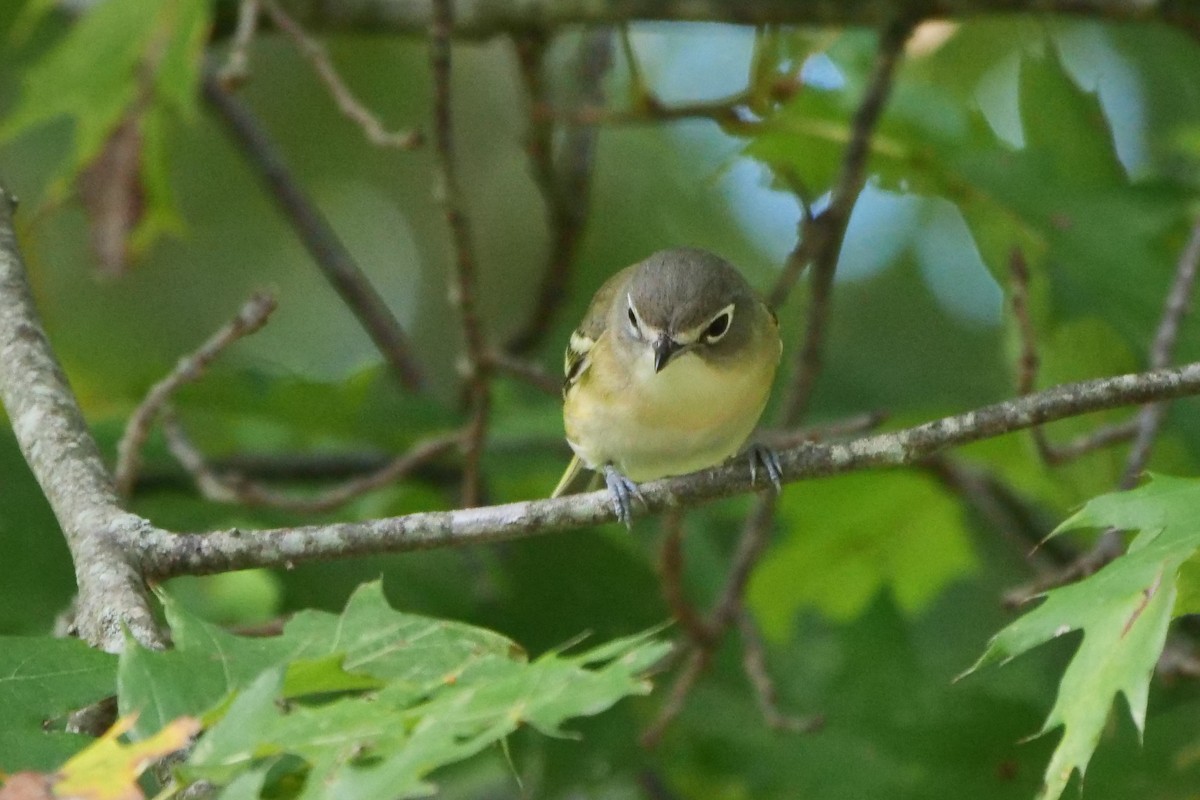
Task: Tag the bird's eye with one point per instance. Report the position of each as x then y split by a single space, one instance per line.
633 323
718 327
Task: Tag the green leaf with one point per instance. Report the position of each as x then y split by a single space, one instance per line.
1123 611
372 700
855 536
42 680
120 59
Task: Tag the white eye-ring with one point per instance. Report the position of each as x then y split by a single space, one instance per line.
635 319
718 326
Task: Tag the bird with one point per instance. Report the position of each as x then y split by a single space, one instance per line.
667 374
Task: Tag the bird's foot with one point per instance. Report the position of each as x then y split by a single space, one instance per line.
622 491
763 456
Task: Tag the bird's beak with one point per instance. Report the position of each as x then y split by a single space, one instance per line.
664 349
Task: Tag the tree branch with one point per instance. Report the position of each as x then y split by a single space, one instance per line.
252 316
484 18
60 451
319 238
462 289
163 555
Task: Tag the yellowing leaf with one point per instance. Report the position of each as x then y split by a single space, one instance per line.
109 769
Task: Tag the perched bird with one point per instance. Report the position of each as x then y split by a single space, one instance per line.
668 374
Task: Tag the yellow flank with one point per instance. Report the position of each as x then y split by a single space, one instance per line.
692 415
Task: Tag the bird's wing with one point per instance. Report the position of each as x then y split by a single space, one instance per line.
593 326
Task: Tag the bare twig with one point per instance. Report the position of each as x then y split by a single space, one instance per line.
694 665
462 290
670 573
61 453
252 316
821 239
347 103
858 423
564 187
526 371
483 20
237 64
319 238
1177 303
1146 426
754 661
224 487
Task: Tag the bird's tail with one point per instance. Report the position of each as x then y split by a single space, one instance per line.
573 480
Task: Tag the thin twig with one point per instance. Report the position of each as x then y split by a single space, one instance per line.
1028 361
223 487
787 439
350 106
564 186
483 20
526 371
237 64
318 236
694 665
670 573
1178 301
821 239
1147 424
824 235
754 662
252 316
462 290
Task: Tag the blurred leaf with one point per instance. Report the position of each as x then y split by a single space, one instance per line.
108 769
41 681
118 74
851 537
1123 611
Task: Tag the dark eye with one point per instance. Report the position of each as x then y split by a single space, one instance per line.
632 318
717 328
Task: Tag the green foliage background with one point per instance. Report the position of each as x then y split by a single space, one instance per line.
1077 142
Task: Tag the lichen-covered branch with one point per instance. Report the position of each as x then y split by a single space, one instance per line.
163 554
60 450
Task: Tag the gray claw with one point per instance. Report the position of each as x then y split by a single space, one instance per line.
622 491
761 455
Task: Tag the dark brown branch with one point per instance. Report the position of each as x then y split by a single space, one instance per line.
61 453
318 237
564 186
479 20
822 235
670 574
252 316
462 290
1178 301
164 555
347 103
224 487
754 662
694 666
821 238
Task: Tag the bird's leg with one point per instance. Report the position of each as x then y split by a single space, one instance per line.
762 456
622 491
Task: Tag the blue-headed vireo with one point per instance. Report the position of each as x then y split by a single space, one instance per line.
668 373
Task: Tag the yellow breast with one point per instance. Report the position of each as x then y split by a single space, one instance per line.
692 415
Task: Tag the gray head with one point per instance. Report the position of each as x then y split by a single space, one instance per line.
686 300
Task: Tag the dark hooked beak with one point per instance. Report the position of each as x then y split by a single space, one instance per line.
664 349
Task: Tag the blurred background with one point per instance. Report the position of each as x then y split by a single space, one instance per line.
1075 142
